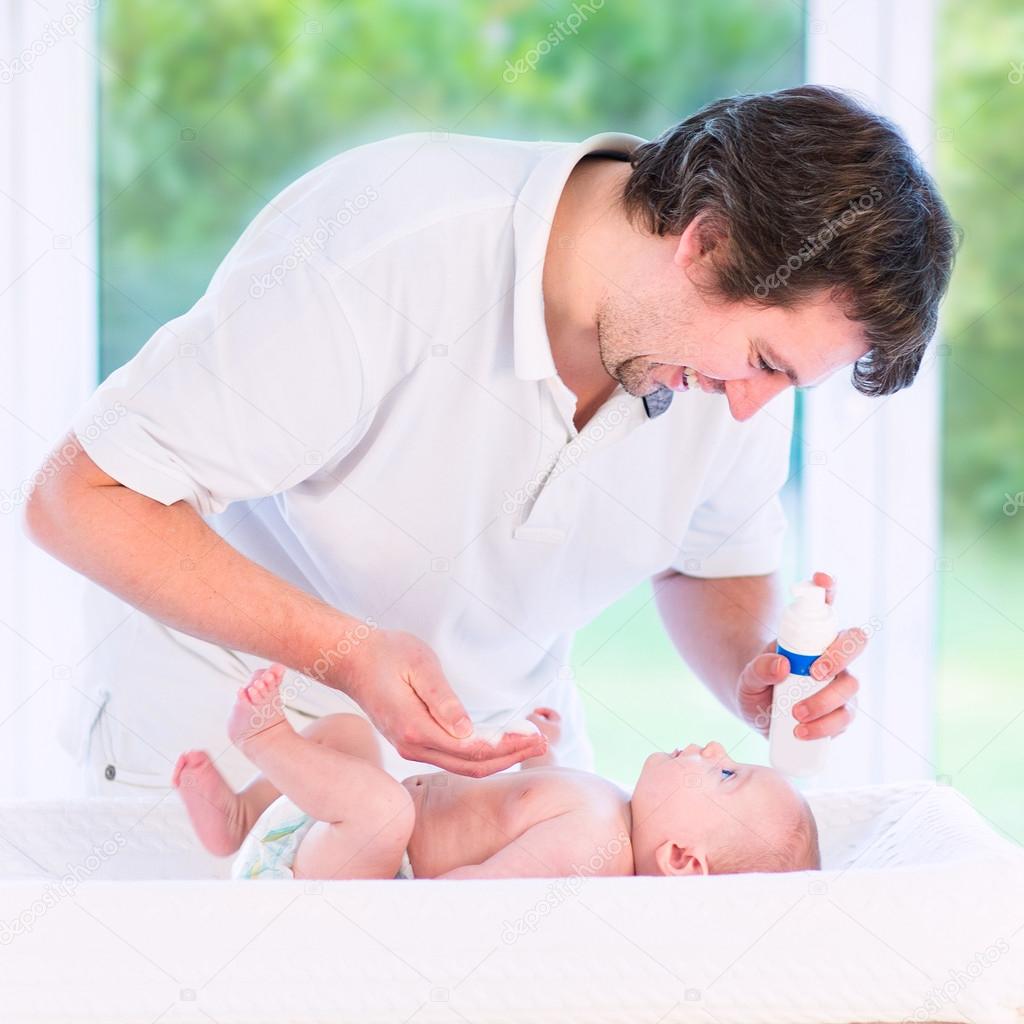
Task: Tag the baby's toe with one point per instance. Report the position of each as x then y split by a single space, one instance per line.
190 761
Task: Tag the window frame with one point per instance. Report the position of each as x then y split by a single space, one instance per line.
871 466
853 485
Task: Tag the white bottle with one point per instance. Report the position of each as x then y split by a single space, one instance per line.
808 627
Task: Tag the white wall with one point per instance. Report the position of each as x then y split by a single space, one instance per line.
48 356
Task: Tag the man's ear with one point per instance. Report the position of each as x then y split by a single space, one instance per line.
699 238
673 859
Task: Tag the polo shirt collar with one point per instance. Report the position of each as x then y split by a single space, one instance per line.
531 225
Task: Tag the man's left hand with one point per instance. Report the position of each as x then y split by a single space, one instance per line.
825 713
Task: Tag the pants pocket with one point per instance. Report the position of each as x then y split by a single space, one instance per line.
107 756
80 713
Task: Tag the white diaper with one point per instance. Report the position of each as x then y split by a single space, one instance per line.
270 847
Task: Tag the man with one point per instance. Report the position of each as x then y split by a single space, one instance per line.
420 427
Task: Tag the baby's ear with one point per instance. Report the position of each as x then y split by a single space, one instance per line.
673 859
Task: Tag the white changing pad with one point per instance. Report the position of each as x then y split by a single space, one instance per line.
110 912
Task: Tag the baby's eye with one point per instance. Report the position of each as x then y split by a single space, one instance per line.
762 365
727 772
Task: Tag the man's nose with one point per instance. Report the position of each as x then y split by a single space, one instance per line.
745 397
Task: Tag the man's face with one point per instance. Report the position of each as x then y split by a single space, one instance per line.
665 323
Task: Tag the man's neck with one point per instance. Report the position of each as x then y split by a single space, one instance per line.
579 268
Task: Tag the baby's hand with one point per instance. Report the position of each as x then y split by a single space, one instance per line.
549 722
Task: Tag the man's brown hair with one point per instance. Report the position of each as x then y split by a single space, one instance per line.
805 190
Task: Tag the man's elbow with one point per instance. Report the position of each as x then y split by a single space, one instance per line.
40 518
56 489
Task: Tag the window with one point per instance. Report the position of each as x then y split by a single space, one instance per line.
206 112
980 706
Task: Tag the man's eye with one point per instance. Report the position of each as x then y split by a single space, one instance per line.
727 772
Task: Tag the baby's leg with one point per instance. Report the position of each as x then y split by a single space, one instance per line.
222 818
364 817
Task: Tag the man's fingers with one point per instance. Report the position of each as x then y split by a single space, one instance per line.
476 751
770 668
528 745
840 653
478 758
822 579
445 708
832 724
838 693
474 769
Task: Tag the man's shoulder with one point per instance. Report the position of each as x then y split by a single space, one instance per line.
502 160
366 199
418 176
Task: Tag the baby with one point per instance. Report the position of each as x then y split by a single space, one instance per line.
324 808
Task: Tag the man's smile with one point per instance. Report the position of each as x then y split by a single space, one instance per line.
683 378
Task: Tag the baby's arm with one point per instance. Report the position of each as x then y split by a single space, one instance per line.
554 848
550 724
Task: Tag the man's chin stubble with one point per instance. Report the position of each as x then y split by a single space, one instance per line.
636 381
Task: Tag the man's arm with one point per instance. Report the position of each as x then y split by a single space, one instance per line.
165 561
725 629
719 625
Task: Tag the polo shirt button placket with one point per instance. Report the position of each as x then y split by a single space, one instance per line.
533 528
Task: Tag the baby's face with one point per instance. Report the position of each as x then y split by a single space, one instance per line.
685 803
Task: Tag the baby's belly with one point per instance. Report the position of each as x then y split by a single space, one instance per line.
463 821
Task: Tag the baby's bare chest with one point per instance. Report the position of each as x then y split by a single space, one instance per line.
475 817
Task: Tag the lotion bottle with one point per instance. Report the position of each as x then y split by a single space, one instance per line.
807 629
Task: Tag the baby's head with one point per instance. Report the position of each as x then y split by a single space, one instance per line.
698 812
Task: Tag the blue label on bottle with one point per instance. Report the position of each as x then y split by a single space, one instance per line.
799 664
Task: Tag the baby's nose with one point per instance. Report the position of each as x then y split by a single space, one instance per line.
712 749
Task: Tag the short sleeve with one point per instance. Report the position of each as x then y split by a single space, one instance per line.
247 394
739 526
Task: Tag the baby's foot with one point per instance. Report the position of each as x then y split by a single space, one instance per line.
258 711
217 813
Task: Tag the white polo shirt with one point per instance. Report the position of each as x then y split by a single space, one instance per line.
365 402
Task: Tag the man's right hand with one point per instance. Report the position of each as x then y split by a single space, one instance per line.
397 680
